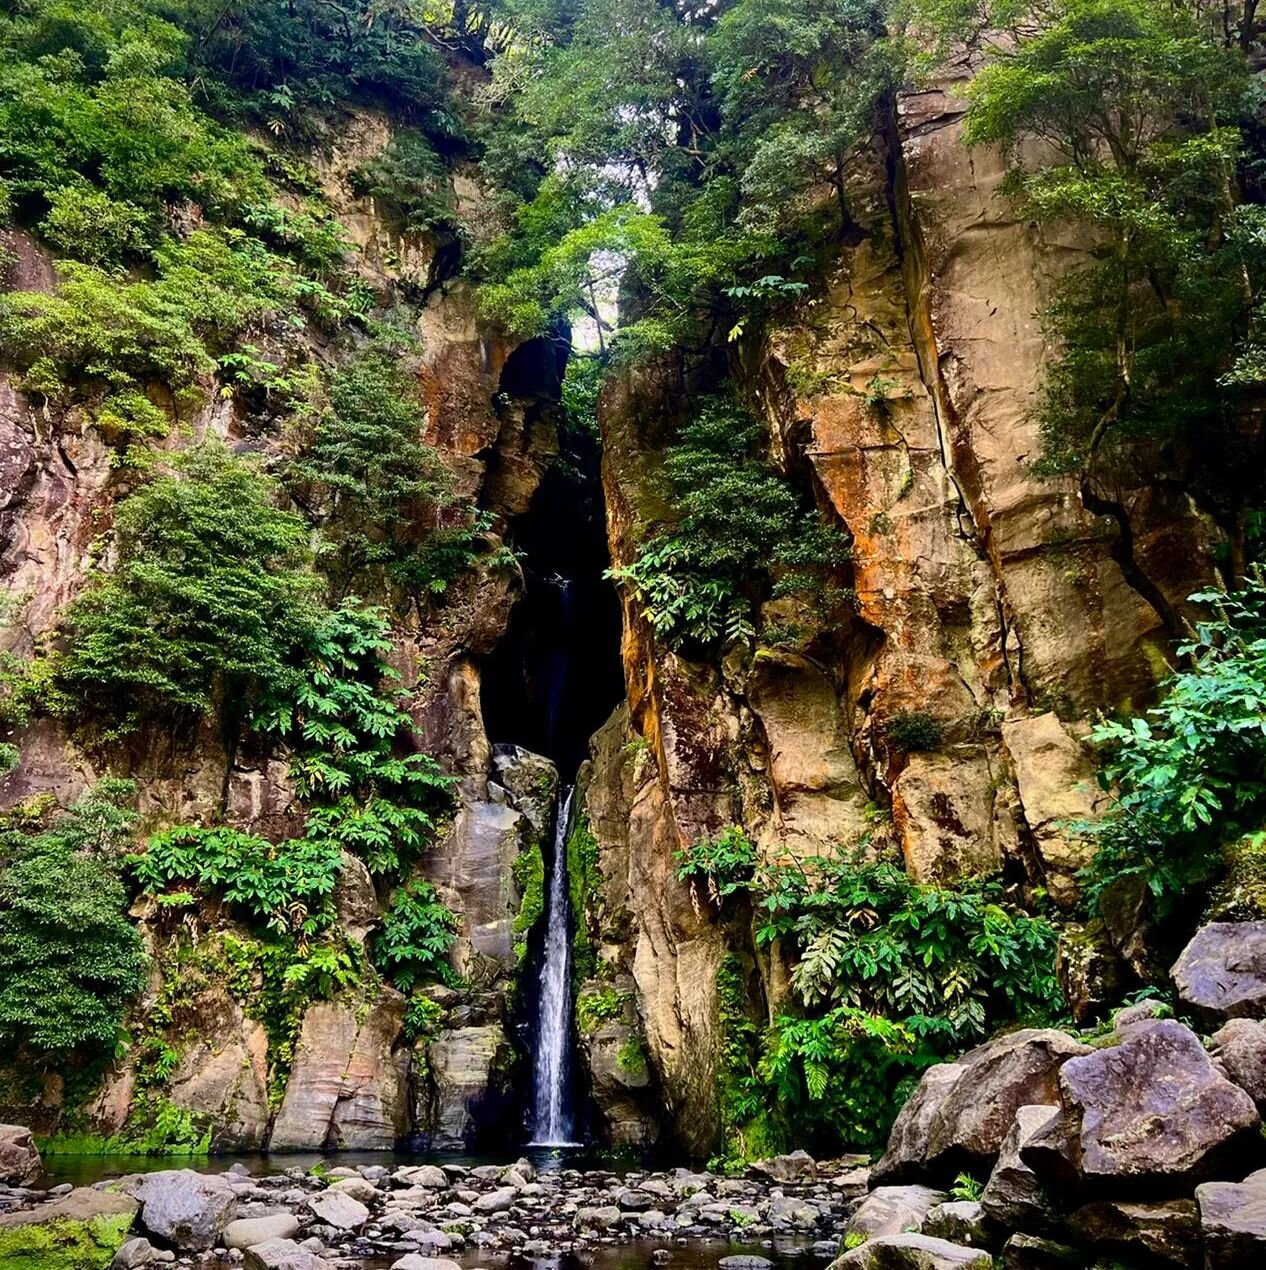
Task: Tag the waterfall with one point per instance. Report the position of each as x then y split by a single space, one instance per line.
551 1115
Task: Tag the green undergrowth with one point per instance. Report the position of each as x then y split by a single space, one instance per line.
529 876
584 880
596 1006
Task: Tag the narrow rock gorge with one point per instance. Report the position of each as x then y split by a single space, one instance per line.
731 530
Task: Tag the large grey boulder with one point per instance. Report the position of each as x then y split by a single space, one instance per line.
1152 1113
913 1252
336 1209
283 1254
1222 971
139 1252
245 1232
186 1209
429 1175
1167 1232
892 1210
498 1201
19 1160
961 1112
1240 1047
1013 1196
960 1221
1233 1222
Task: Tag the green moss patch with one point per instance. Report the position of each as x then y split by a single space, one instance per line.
64 1243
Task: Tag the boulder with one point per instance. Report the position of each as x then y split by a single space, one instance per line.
1091 972
892 1210
355 899
283 1254
958 1222
84 1228
139 1252
20 1162
357 1187
339 1210
1233 1222
1030 1252
1240 1047
913 1252
601 1217
1168 1231
248 1231
186 1209
429 1175
1013 1197
416 1261
498 1201
958 1119
799 1166
1152 1113
745 1262
1222 971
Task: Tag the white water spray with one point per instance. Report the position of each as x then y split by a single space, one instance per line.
551 1118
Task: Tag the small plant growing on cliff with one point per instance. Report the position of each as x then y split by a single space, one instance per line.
717 867
417 935
912 731
740 533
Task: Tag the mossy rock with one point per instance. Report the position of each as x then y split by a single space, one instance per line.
76 1233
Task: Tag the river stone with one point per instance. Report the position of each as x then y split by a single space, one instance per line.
357 1187
497 1201
1168 1231
744 1262
601 1217
139 1252
961 1111
186 1209
19 1160
913 1252
958 1222
1013 1196
1233 1222
1240 1046
283 1254
247 1231
428 1175
799 1166
1222 971
1150 1112
416 1261
338 1210
893 1210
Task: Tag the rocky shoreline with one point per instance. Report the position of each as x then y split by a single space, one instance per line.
421 1216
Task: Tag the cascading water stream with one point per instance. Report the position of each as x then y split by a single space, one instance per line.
551 1115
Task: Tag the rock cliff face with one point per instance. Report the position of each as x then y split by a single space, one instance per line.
986 598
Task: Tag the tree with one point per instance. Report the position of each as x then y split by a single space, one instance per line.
208 601
70 961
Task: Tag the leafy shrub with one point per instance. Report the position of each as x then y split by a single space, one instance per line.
892 976
598 1006
285 886
914 730
1188 777
409 180
340 713
370 478
70 961
719 866
208 601
739 534
416 937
